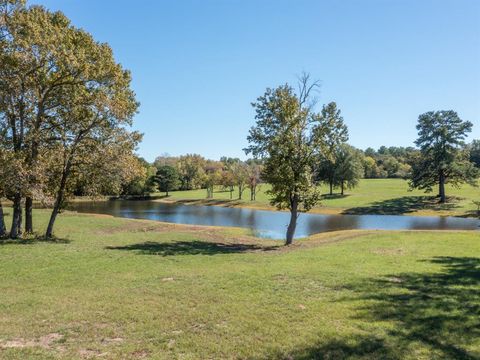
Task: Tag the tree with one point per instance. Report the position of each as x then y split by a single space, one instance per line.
441 135
474 149
288 135
227 180
254 171
240 175
336 134
212 176
348 167
167 178
191 170
92 115
145 183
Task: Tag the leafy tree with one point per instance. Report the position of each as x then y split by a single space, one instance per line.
228 181
240 175
167 178
212 177
370 167
348 167
165 159
289 135
474 149
254 171
336 134
441 135
145 182
191 170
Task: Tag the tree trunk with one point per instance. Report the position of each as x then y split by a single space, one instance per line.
16 229
293 222
29 215
58 200
3 229
331 187
342 188
166 192
441 188
240 191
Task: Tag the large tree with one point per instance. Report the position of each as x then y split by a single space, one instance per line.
474 149
289 135
348 167
441 136
337 133
167 178
63 101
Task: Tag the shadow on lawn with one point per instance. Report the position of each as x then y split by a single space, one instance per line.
31 240
438 312
403 205
191 248
334 196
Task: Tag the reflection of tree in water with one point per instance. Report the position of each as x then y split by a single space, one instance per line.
319 223
428 315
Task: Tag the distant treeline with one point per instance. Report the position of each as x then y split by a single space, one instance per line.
193 171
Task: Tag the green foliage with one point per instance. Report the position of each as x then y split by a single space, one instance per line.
65 108
348 167
191 168
167 178
474 149
289 136
441 159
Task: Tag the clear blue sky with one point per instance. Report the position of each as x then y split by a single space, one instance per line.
198 64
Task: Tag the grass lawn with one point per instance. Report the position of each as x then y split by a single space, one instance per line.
372 196
129 289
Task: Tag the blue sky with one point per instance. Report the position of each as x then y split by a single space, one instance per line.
198 64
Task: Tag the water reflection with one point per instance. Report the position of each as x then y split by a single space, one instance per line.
268 224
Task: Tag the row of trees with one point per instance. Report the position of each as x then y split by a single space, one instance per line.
300 146
65 108
193 171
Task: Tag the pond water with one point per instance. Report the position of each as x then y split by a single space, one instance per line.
268 224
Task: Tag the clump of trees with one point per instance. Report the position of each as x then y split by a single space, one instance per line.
64 113
388 162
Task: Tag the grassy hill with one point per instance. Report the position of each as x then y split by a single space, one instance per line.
113 288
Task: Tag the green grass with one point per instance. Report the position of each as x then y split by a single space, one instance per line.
372 196
127 289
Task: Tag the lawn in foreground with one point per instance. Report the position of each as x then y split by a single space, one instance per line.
116 288
372 196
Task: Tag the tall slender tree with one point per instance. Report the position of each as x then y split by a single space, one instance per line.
336 134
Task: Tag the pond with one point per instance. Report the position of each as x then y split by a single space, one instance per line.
268 224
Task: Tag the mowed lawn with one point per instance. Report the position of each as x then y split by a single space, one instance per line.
128 289
372 196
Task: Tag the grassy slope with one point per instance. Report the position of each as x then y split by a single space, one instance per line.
372 196
118 288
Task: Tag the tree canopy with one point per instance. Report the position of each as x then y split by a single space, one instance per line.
442 159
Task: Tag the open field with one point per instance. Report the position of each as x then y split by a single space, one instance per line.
372 196
112 288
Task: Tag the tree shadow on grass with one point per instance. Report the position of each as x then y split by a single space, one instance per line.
191 248
334 196
32 240
403 205
436 313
